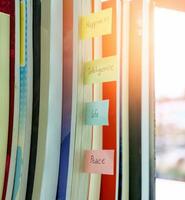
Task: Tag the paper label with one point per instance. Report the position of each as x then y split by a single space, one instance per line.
99 162
97 113
96 24
101 70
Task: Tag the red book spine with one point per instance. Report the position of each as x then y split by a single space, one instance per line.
108 183
8 6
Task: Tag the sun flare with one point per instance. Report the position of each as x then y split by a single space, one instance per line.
169 53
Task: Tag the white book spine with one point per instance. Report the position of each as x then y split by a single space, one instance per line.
4 91
125 19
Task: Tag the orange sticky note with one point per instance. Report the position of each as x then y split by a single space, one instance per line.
99 162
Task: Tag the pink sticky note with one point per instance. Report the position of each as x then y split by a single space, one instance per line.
99 162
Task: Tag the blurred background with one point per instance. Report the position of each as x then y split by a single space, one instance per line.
170 93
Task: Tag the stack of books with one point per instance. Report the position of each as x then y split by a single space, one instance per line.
60 108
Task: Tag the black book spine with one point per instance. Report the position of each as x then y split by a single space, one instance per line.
36 95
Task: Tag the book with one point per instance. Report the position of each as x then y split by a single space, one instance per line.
4 94
76 184
96 142
25 166
67 94
111 91
14 98
36 95
82 134
25 101
124 104
10 181
50 112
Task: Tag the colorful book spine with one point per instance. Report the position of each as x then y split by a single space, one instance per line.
67 98
22 156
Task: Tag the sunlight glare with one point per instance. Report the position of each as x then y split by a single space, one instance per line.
169 53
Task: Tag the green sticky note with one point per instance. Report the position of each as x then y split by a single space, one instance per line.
101 70
97 113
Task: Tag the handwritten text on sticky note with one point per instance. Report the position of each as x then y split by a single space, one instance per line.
96 24
101 70
97 113
99 162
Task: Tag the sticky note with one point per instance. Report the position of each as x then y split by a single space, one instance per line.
96 24
96 113
99 162
101 70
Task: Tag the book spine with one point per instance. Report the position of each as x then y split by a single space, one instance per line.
4 94
36 95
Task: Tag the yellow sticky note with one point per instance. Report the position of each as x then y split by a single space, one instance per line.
22 34
96 24
101 70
